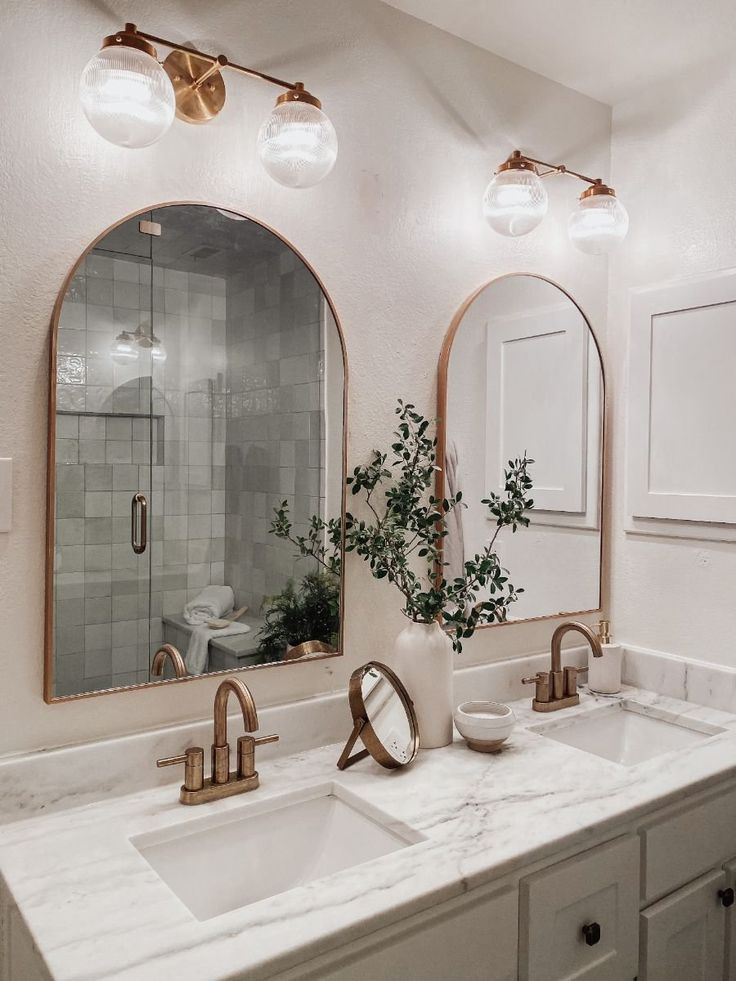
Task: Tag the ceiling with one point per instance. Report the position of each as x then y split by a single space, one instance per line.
607 49
194 238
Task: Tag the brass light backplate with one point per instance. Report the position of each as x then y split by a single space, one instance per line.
195 103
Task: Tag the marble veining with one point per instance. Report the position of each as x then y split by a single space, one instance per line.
95 907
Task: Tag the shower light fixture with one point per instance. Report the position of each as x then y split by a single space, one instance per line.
124 349
515 202
127 347
130 99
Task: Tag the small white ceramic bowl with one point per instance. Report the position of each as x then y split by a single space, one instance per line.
484 725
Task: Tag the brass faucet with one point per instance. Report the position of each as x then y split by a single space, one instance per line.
558 688
222 783
177 661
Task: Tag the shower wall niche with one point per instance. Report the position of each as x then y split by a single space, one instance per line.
189 368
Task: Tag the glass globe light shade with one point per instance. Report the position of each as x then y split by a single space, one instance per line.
297 144
158 351
127 96
124 349
598 224
515 202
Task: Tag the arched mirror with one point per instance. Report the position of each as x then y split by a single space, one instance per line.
196 434
521 371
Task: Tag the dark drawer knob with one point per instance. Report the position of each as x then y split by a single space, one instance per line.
592 933
727 897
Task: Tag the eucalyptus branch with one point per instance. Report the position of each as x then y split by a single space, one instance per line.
414 523
313 544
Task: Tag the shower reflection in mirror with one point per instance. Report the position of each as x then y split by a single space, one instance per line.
198 383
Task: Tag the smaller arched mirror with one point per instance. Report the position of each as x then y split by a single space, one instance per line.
521 372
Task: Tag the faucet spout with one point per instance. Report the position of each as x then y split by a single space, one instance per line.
221 747
558 688
168 651
247 707
581 628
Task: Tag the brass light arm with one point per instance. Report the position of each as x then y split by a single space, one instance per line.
218 61
517 157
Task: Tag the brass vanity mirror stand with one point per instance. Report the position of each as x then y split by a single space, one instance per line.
383 718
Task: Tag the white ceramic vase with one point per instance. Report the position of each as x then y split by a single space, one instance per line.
423 659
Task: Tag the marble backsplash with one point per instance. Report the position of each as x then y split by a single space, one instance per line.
57 779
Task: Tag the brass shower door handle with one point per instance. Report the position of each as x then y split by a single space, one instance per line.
139 523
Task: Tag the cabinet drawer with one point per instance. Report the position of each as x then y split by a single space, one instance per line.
688 844
598 889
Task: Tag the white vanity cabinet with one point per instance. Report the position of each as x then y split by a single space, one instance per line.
682 936
473 937
579 918
688 869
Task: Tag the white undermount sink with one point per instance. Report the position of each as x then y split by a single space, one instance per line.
226 861
627 733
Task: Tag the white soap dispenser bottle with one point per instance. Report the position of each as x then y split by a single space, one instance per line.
604 673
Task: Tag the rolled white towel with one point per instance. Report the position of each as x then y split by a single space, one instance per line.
213 601
197 653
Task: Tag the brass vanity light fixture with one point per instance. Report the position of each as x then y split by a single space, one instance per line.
131 99
515 202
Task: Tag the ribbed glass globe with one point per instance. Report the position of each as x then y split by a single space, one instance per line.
297 144
515 202
598 224
123 349
127 96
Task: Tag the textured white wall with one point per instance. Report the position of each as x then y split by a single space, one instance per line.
673 150
395 233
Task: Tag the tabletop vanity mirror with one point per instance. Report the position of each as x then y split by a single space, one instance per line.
520 371
198 381
383 718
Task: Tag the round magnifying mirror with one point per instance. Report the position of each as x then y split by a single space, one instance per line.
383 718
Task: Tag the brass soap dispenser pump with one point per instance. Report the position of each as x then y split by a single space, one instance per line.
604 673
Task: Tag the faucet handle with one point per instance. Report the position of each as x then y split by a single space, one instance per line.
247 753
542 681
193 760
262 740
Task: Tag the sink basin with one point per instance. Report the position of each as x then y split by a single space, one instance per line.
627 733
227 861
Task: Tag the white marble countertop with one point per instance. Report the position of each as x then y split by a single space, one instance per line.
96 909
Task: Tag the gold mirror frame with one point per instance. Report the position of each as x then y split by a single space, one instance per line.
314 655
363 728
442 385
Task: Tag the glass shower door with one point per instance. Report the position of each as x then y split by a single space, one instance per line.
104 447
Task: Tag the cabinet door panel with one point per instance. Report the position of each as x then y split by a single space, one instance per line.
730 972
682 936
474 938
597 889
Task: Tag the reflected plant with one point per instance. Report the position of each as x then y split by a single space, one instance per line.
309 612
